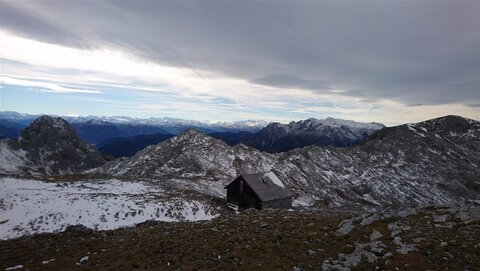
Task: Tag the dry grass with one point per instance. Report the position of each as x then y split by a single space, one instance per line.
266 240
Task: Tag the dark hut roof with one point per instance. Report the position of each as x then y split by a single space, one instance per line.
267 186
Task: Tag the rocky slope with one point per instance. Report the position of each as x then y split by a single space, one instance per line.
48 146
436 161
428 239
191 155
277 137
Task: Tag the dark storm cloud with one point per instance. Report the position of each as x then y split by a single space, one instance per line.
30 25
421 52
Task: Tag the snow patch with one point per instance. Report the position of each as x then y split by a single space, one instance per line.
47 261
274 179
369 198
14 267
30 207
303 201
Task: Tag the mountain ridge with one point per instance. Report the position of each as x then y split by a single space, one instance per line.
175 125
277 137
405 166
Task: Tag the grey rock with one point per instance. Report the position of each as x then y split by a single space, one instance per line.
440 218
388 255
375 235
406 248
348 261
346 227
406 212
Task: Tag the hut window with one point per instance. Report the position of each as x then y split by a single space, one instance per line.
241 187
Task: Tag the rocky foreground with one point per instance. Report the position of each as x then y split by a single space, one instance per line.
435 238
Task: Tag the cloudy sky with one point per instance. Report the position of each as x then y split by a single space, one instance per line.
385 61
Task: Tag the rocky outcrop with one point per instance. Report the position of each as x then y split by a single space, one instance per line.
50 146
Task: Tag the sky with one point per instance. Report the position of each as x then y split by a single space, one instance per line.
385 61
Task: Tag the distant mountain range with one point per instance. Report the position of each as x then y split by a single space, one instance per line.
277 137
124 136
95 129
172 125
10 129
128 146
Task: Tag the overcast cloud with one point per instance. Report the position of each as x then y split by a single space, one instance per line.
415 53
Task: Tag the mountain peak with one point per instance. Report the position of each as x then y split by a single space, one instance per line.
452 119
192 136
190 132
187 152
46 128
54 140
47 121
448 126
449 123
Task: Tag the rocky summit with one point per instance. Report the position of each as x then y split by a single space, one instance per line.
191 155
49 146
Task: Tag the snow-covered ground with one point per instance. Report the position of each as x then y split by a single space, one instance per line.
31 206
